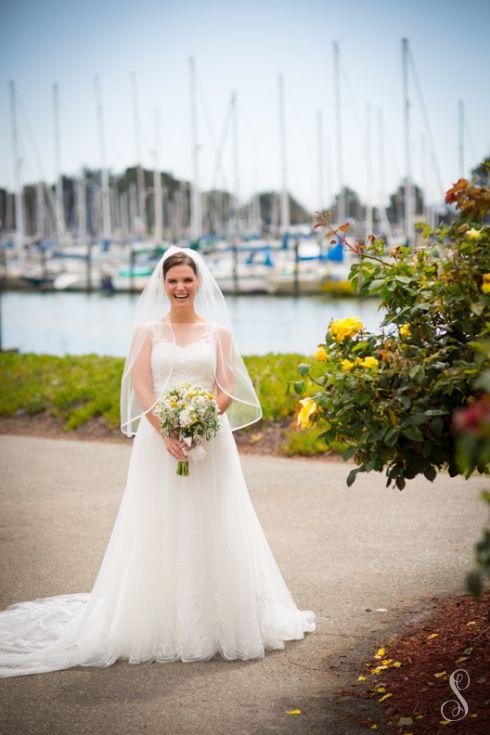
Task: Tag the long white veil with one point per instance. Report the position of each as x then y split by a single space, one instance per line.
138 395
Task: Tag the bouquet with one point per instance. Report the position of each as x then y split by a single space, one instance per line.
188 413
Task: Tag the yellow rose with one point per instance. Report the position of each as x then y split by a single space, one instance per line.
486 287
342 328
321 355
358 361
371 362
307 410
473 234
405 330
347 365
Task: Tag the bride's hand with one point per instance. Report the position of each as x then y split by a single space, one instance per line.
175 447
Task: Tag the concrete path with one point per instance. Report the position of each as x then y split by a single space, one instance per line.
341 550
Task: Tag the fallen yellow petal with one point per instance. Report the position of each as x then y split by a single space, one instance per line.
361 678
379 653
373 726
385 696
444 722
396 664
380 689
432 635
439 674
378 669
475 714
293 711
472 622
386 661
461 658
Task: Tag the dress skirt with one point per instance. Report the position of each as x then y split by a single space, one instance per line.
187 574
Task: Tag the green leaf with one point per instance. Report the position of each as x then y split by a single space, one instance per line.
414 433
437 425
430 473
303 368
391 436
405 401
349 452
352 476
474 583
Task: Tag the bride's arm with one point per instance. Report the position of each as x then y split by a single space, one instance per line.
223 400
143 387
225 378
143 382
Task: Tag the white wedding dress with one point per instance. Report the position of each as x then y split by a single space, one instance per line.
187 573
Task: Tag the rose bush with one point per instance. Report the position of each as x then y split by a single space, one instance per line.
391 395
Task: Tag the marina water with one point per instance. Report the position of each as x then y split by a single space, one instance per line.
62 323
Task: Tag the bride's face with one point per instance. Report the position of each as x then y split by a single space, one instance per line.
181 284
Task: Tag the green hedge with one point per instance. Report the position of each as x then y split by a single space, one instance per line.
78 388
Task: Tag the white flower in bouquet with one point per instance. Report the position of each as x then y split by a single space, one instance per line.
188 413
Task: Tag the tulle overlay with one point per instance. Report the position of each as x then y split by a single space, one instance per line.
187 573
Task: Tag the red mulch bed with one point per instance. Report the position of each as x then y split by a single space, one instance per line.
462 628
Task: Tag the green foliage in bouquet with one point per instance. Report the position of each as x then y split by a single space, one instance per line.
390 395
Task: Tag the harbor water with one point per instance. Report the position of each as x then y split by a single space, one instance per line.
62 323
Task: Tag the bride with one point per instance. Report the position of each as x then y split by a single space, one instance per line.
188 572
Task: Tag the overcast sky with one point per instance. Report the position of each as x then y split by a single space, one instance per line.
243 46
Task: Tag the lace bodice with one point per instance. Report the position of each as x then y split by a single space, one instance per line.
194 362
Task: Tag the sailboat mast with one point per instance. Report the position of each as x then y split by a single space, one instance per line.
319 154
408 171
282 137
140 175
369 172
461 137
59 204
381 180
157 180
196 216
19 195
106 211
236 179
82 209
338 130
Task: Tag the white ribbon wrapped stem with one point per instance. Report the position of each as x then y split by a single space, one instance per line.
197 453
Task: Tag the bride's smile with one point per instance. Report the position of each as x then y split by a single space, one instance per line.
180 285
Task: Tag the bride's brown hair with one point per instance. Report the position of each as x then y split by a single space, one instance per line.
178 259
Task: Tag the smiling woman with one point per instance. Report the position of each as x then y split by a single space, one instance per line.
188 572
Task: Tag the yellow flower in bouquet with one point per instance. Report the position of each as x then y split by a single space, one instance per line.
347 365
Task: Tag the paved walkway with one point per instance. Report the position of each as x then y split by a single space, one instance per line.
341 550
